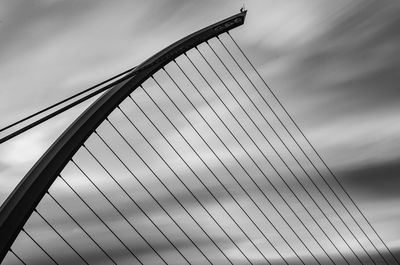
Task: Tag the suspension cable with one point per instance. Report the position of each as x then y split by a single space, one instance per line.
17 256
76 222
273 167
320 158
65 108
130 171
170 192
240 164
98 217
52 227
229 171
48 255
97 188
113 178
285 163
162 207
236 158
173 171
291 153
198 178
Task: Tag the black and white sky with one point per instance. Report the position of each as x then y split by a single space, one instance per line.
333 64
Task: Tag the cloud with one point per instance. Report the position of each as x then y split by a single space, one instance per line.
376 180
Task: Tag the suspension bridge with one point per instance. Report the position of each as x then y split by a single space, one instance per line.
187 158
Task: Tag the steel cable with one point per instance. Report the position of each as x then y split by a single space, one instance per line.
273 167
321 159
47 254
76 222
52 227
18 257
284 162
98 217
209 191
297 161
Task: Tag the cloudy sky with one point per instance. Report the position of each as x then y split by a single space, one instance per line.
334 65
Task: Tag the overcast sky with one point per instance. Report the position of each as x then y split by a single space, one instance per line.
333 64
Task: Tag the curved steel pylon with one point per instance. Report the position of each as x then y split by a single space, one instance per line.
21 203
